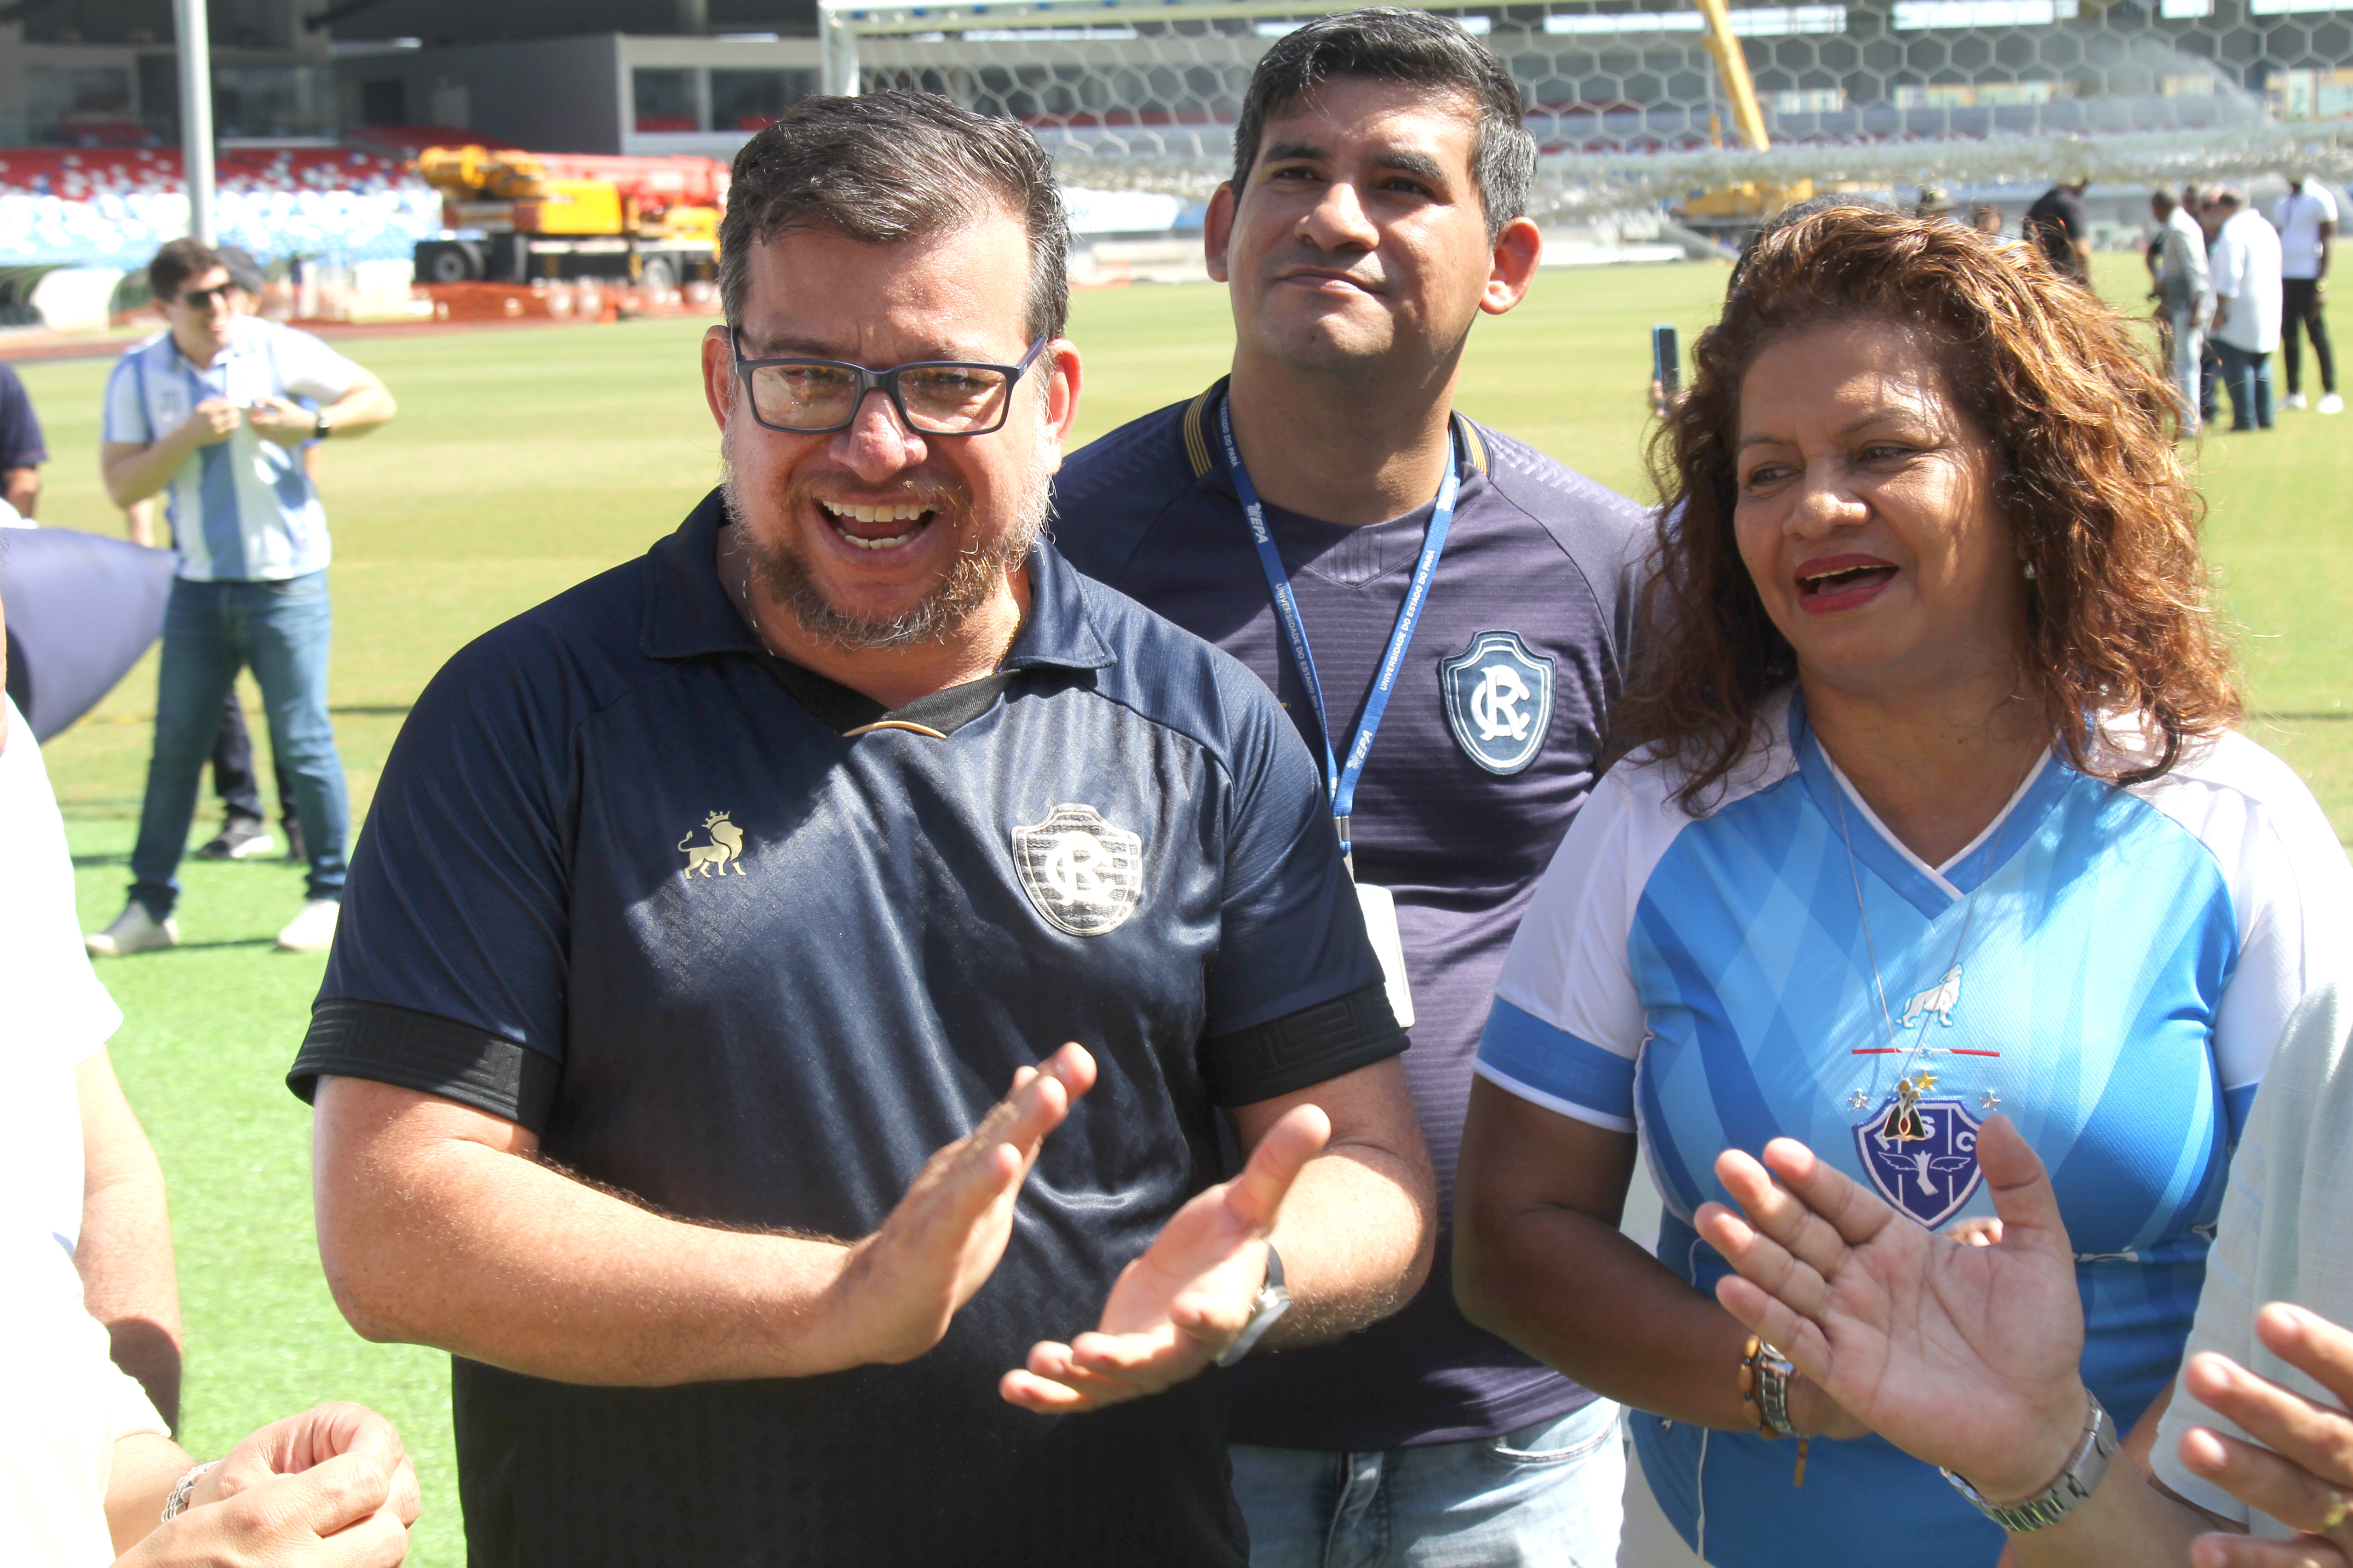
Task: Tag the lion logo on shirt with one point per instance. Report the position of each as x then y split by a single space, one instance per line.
727 846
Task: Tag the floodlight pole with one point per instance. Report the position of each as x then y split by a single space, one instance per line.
196 115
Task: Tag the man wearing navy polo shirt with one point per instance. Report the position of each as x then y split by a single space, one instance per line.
704 911
1459 606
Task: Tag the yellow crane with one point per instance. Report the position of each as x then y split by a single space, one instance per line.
1750 199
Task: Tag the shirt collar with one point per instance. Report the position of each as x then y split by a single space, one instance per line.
688 613
1208 456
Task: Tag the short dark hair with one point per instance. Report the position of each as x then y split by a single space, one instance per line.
176 263
1413 46
892 166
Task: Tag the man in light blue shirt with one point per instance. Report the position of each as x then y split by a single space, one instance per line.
204 414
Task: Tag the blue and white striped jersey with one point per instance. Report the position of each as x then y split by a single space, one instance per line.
2109 967
242 511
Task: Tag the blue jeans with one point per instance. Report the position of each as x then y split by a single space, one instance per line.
211 630
2247 376
1547 1494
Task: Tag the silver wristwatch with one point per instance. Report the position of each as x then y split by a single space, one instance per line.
2086 1468
1271 1301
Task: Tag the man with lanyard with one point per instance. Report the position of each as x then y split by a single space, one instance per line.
740 880
2306 220
1462 650
204 414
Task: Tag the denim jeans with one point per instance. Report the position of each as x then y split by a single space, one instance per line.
211 630
2247 376
1547 1494
2189 356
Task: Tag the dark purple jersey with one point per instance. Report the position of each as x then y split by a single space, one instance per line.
1483 759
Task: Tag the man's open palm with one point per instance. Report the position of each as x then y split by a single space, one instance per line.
1176 1309
1965 1356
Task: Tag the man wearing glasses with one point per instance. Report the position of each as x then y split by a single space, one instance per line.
205 414
705 910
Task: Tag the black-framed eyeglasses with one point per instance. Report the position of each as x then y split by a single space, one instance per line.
938 397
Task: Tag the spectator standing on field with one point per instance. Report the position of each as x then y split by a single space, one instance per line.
2306 220
2058 223
2185 298
204 414
22 450
1374 213
2245 262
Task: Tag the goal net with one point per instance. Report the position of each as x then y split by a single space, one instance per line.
1628 106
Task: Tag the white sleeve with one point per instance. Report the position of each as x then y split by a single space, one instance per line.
56 1004
2328 202
1567 1023
309 368
2280 1238
125 416
2291 890
2225 261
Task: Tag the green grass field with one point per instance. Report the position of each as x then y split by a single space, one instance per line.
525 460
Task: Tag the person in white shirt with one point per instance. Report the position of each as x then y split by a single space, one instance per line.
88 1472
2186 297
2306 220
2245 262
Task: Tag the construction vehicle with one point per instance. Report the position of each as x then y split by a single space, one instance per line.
1734 212
572 217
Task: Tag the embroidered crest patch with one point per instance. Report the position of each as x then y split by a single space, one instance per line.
1498 701
1084 876
1921 1155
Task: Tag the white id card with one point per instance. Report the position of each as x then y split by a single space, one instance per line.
1380 923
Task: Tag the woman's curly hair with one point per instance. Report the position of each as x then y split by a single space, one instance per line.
2082 428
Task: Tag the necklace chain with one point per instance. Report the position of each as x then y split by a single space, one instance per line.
1863 912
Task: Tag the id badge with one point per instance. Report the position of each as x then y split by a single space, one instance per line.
1381 924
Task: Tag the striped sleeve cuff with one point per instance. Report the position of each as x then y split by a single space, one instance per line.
1523 1055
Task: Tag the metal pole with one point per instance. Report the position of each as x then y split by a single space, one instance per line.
839 52
196 114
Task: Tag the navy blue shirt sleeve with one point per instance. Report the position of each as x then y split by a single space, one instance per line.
1296 995
450 969
21 445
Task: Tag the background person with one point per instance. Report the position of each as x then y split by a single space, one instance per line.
1374 213
2185 293
1871 878
22 449
1981 1375
2060 226
2306 220
800 1304
205 413
2245 264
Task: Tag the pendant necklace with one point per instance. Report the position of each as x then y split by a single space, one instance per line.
1904 1124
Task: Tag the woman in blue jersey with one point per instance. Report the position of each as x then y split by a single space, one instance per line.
1936 813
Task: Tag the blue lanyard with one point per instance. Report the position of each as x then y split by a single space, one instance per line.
1340 779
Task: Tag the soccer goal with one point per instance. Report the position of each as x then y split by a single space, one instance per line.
1629 105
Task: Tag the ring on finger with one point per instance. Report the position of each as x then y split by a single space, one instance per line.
2339 1505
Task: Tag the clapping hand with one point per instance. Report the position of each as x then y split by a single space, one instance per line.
1179 1306
331 1488
903 1284
2302 1475
1963 1355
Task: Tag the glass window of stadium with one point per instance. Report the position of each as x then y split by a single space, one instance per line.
72 105
749 99
665 99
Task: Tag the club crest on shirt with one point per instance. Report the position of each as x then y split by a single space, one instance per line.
724 849
1921 1155
1084 876
1498 701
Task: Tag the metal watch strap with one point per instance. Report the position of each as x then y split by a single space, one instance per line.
319 428
1271 1301
2086 1468
175 1502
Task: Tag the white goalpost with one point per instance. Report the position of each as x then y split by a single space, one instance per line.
1629 107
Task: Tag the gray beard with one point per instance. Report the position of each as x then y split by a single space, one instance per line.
783 574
